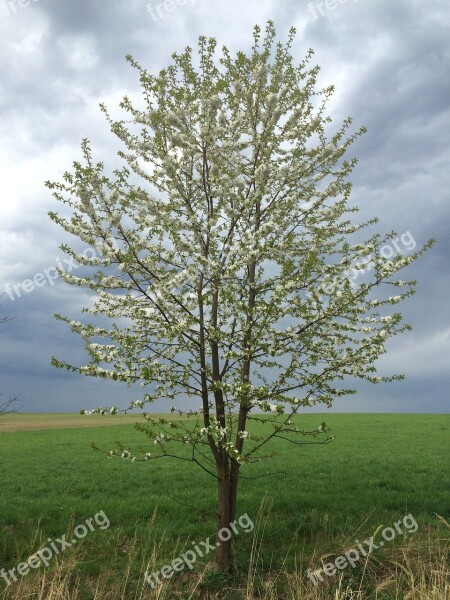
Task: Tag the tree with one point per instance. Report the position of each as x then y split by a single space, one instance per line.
224 246
9 405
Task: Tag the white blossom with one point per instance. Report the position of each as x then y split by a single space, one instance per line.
224 259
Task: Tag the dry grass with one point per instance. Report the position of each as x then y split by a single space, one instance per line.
40 421
418 570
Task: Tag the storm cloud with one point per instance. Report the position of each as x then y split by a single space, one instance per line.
389 62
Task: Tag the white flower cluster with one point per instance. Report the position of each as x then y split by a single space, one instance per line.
215 429
126 455
137 404
100 410
233 452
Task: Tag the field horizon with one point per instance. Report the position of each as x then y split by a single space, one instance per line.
20 421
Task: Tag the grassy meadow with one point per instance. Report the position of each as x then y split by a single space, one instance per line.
309 504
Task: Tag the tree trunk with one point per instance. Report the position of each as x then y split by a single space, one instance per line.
227 491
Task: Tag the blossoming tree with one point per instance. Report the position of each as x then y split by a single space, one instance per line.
223 254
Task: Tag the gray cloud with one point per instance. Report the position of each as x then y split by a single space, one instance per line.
389 62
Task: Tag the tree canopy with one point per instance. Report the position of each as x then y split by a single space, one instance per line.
223 248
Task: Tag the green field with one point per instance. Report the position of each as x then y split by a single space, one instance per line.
379 469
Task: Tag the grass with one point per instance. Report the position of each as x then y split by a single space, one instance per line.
379 469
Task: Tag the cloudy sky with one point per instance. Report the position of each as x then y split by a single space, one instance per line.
389 61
